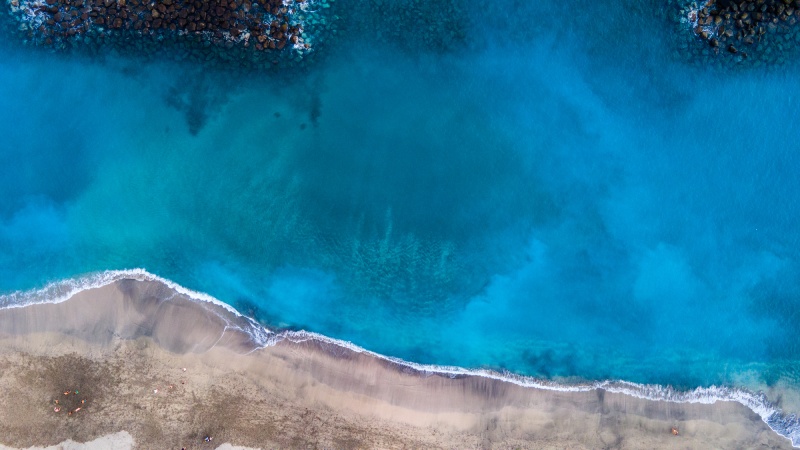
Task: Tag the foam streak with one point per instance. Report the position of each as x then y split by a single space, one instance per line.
784 424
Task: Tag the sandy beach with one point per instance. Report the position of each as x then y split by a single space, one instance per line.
140 359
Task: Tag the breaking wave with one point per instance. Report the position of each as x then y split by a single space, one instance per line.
784 424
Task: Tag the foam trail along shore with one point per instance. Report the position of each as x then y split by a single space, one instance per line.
786 425
63 290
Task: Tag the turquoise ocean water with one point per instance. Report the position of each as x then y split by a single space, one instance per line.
536 187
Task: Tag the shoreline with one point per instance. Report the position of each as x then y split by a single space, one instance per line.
135 308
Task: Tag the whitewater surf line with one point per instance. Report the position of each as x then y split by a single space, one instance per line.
786 425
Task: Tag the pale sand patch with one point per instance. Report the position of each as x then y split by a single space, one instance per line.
234 447
124 349
116 441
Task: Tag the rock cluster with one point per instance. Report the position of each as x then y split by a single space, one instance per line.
247 26
744 28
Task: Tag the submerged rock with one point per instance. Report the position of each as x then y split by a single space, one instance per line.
246 30
758 28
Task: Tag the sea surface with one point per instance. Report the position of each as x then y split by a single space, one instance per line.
547 188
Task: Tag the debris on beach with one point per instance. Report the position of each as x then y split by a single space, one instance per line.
71 404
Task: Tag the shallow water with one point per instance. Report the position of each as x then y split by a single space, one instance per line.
521 188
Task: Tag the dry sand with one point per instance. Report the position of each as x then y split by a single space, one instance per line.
124 348
115 441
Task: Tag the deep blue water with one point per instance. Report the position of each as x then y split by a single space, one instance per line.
549 192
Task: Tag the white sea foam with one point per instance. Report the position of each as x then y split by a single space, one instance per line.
63 290
784 424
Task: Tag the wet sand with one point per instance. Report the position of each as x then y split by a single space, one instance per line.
124 348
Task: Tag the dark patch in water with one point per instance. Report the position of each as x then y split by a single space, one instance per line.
316 108
198 99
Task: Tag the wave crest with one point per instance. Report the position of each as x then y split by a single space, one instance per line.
786 425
